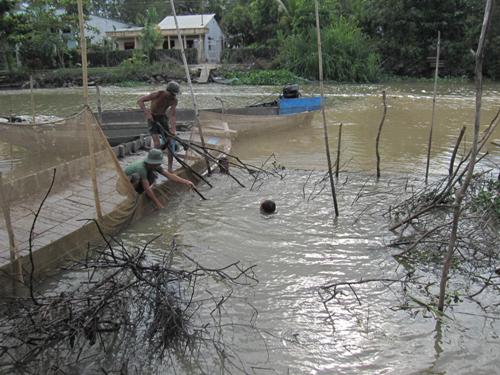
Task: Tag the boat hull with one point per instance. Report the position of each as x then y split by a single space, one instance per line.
254 124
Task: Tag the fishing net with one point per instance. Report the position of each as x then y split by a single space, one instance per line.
60 179
69 166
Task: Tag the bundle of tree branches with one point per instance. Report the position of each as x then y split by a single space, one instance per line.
127 314
424 234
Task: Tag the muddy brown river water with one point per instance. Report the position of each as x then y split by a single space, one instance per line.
302 247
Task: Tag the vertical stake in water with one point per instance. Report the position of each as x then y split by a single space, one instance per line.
86 119
14 258
377 140
337 164
325 129
32 99
188 77
436 72
99 104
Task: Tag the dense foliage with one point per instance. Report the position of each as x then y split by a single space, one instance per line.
361 38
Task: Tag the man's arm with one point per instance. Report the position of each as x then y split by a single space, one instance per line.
151 194
144 99
174 177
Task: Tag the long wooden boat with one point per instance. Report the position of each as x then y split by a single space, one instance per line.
254 120
124 125
76 211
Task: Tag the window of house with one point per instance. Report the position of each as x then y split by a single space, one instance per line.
129 44
189 43
172 43
165 44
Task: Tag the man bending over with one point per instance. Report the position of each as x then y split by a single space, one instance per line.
143 173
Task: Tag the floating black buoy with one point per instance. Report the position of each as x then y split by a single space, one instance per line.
267 207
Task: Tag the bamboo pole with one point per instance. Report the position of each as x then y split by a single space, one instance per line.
436 73
188 77
32 96
377 141
14 258
99 104
337 165
83 52
325 129
460 194
86 119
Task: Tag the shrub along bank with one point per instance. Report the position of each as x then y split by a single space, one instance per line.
127 72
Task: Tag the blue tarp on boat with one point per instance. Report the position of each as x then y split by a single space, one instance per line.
297 105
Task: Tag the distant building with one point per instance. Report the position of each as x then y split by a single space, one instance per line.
95 29
200 31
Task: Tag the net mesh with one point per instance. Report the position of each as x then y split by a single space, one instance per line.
69 167
71 164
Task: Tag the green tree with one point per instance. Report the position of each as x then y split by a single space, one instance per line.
150 35
265 17
301 14
52 25
406 31
237 25
347 53
12 27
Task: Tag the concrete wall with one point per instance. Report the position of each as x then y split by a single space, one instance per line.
214 40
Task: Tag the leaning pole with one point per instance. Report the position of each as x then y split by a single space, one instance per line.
188 77
325 129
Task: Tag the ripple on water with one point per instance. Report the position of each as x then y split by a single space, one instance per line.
298 250
302 247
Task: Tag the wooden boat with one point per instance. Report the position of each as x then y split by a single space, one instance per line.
88 188
124 125
121 126
254 120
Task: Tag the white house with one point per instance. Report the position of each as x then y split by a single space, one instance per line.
200 31
96 28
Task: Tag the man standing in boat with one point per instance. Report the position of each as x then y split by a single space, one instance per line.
161 102
143 173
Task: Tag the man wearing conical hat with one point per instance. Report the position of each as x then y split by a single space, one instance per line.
143 173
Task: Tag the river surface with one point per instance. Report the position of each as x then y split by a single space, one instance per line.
302 247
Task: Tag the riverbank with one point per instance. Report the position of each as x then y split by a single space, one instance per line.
123 75
134 74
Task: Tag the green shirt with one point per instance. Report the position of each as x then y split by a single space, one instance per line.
139 167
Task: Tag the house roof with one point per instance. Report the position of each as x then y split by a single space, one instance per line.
194 21
110 23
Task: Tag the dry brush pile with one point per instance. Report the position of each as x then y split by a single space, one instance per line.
126 313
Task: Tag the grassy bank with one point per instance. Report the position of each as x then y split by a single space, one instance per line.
126 74
130 74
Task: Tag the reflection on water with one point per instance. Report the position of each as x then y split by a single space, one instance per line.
302 247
